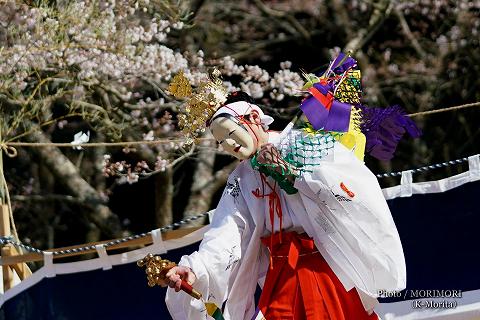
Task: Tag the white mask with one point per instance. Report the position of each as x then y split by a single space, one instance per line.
233 138
241 139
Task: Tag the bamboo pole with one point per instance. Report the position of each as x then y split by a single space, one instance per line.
21 269
6 250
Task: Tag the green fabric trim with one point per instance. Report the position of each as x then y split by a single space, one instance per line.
269 170
304 150
217 315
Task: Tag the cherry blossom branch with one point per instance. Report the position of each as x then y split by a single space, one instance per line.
409 34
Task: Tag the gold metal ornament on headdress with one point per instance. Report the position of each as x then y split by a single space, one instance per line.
180 86
201 103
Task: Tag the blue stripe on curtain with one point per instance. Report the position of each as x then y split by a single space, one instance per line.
440 234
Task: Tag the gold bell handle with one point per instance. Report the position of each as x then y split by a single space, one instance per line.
156 269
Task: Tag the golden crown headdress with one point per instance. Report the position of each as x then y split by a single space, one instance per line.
201 104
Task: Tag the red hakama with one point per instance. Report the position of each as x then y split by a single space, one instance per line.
301 285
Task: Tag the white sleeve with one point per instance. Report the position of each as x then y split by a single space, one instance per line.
216 262
353 223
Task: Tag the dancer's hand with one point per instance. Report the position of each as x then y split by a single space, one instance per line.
175 275
269 155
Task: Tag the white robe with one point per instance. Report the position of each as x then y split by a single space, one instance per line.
356 236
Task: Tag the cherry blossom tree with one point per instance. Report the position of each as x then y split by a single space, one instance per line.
103 68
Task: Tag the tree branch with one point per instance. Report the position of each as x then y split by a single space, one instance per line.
409 34
381 12
6 101
285 15
50 198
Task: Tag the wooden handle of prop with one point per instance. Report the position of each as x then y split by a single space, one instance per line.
185 286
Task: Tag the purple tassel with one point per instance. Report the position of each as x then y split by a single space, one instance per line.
383 129
338 68
315 112
338 117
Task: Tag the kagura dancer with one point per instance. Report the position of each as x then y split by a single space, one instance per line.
301 216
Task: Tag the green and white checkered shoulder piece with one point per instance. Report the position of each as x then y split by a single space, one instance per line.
306 150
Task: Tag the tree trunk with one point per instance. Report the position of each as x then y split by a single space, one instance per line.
163 198
204 192
69 176
201 197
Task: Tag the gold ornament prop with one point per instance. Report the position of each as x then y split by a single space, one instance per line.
156 268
